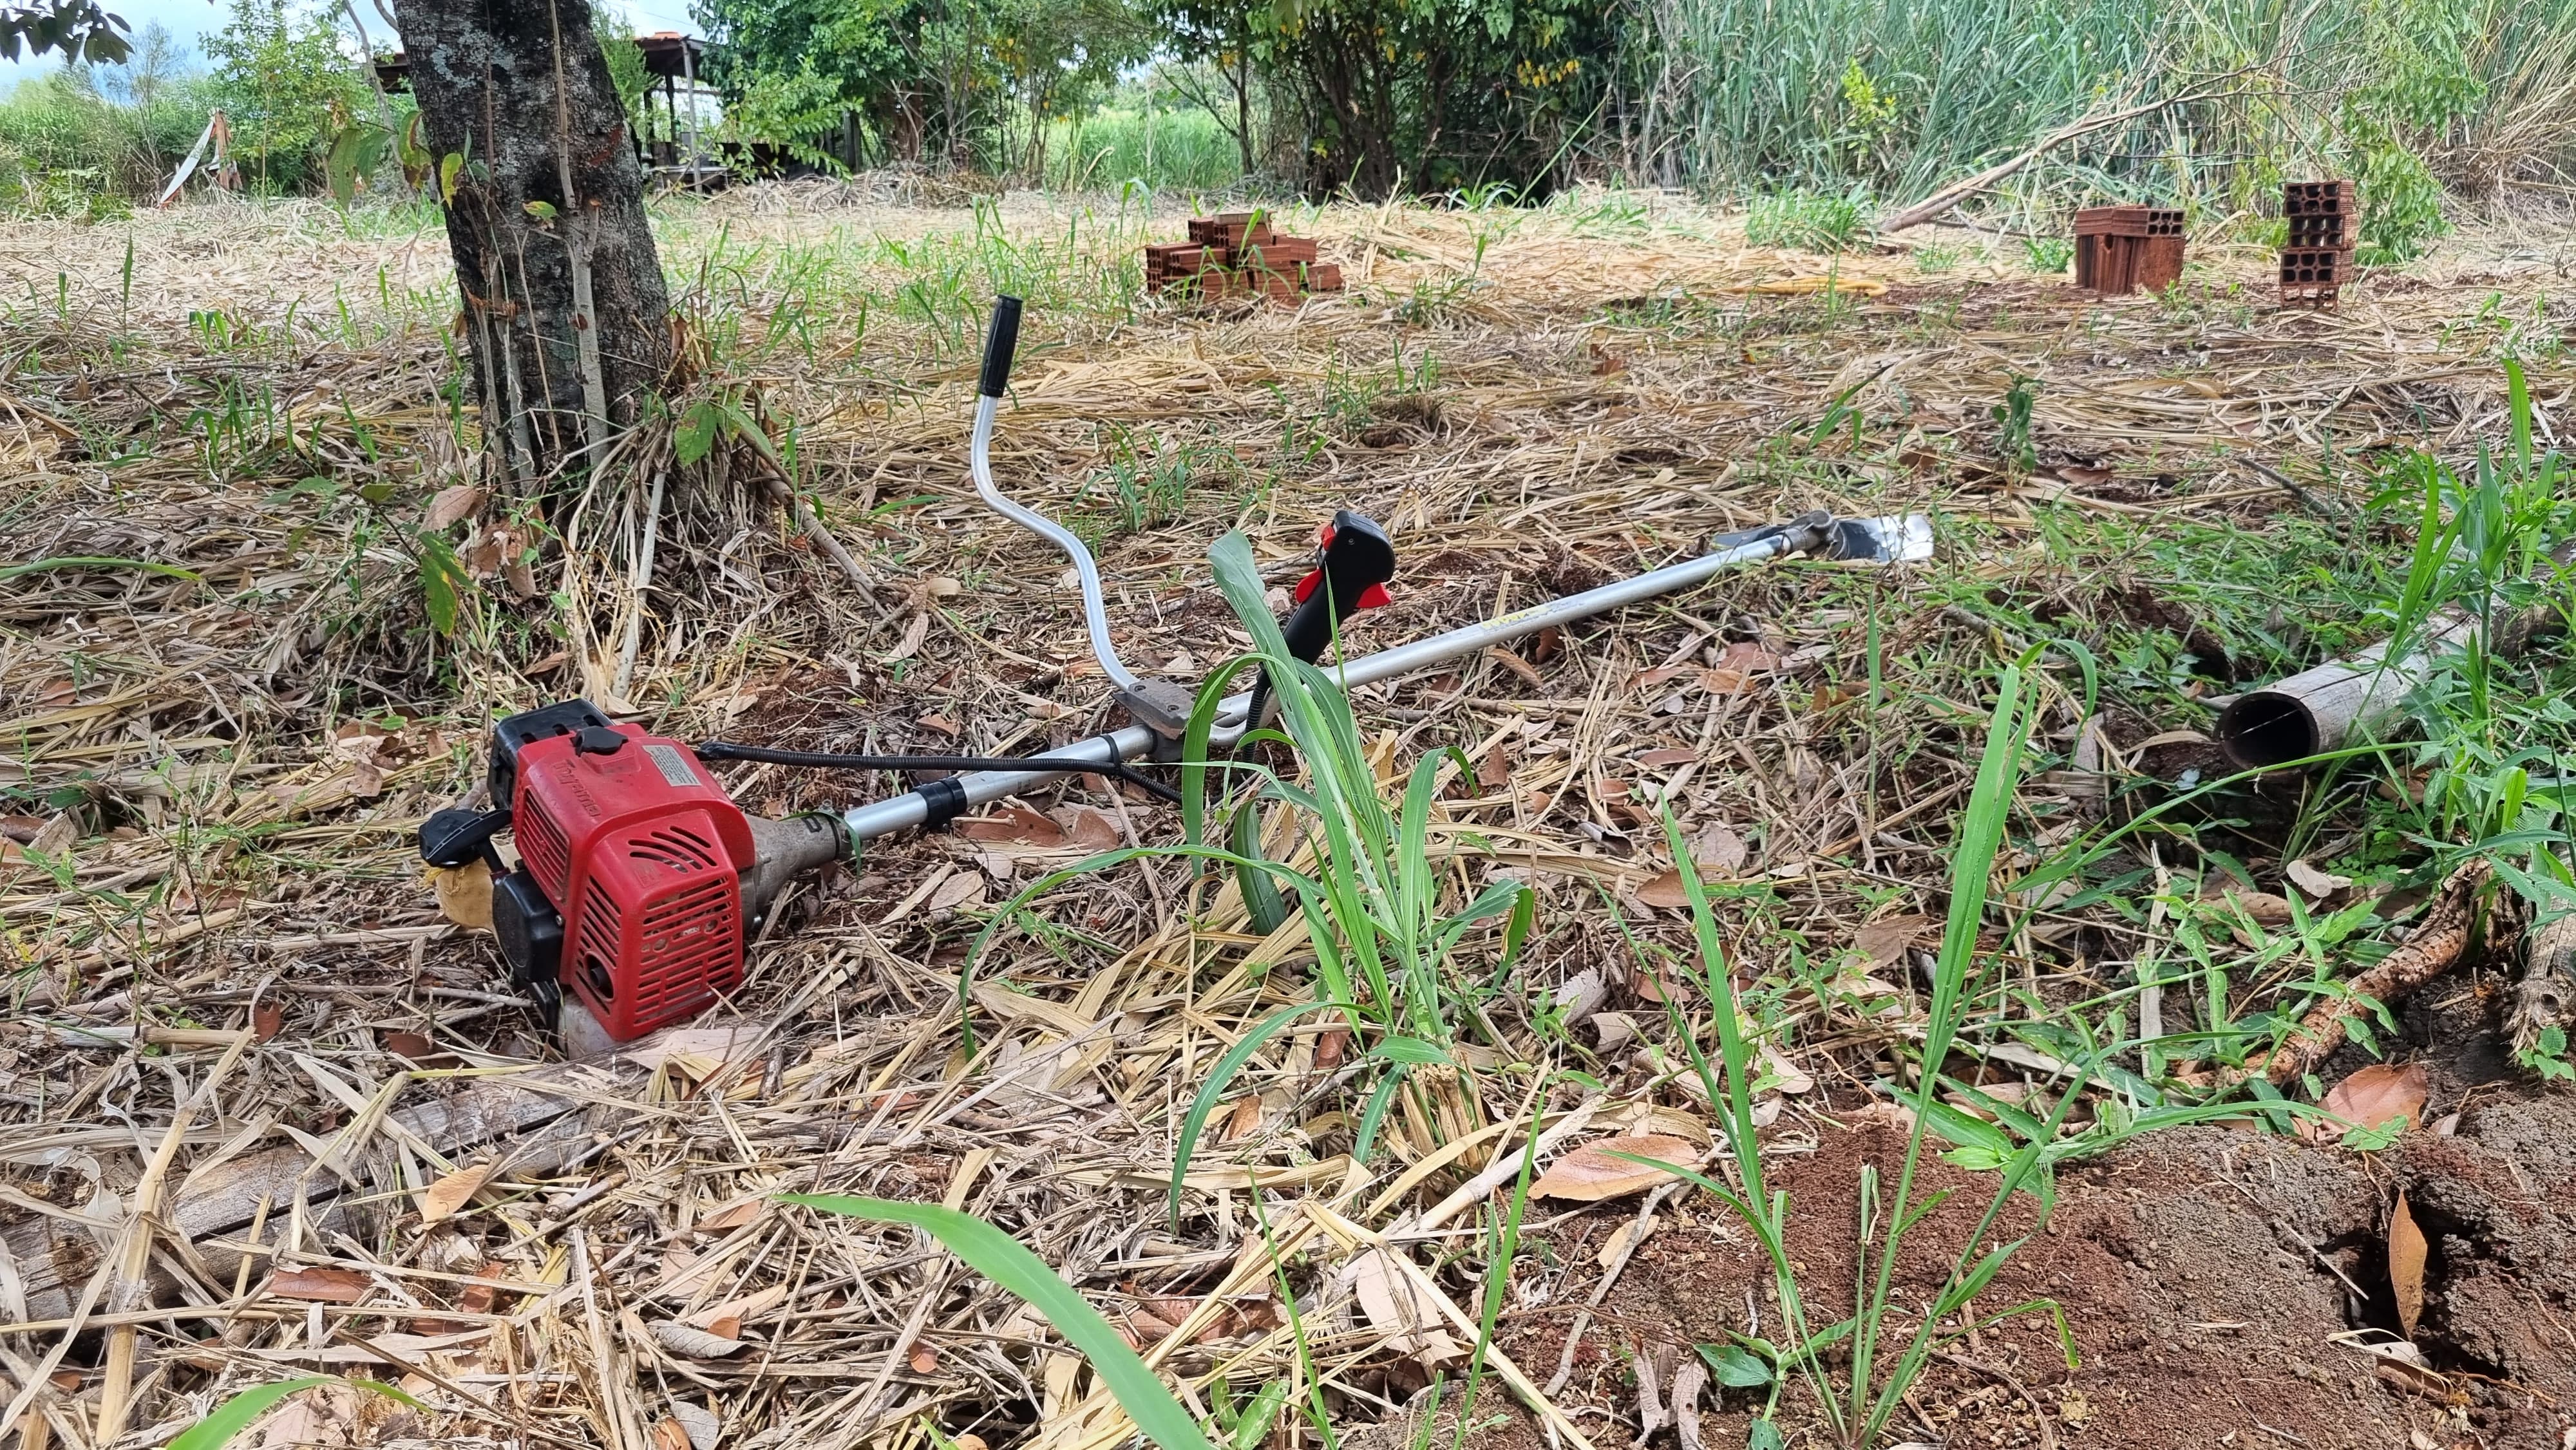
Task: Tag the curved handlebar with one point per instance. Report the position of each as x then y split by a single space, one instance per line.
999 344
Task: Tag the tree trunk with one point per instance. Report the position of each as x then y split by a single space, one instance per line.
1241 75
566 314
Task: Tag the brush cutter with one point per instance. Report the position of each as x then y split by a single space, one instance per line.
639 880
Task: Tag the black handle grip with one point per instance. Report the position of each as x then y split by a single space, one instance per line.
1359 557
999 344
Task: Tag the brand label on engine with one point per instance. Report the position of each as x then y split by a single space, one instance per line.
673 765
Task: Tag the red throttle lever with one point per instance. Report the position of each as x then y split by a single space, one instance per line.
1353 561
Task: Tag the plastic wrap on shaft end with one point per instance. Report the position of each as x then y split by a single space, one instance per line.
999 344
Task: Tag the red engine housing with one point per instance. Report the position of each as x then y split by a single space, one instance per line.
643 854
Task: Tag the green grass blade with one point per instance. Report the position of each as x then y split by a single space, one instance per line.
236 1414
1004 1260
12 571
1213 1090
1261 900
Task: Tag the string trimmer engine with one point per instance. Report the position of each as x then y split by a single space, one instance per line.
639 879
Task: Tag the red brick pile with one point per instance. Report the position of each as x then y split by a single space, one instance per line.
2316 257
1238 254
2119 249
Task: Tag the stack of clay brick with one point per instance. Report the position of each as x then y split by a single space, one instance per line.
1238 254
2119 249
2316 258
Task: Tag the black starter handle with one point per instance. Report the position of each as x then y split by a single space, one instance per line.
1000 341
1357 558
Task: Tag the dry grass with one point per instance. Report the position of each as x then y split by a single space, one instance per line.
1532 402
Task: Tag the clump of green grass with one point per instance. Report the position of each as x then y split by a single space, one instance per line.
1152 147
1814 221
2048 256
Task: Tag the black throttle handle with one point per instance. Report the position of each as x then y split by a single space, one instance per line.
999 344
1351 570
1352 564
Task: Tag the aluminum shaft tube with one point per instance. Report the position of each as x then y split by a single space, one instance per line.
913 808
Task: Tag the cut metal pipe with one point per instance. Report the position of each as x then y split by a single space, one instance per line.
2318 711
2314 712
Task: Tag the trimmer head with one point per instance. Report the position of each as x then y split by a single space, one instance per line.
1889 539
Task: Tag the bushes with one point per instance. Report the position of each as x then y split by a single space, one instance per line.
66 150
2415 98
1162 148
286 86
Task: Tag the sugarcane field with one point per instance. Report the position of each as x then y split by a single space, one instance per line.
1098 756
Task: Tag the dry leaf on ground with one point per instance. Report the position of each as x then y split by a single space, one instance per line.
458 501
1399 1309
691 1341
1591 1173
320 1286
1884 941
451 1193
2373 1097
464 894
2263 907
2317 883
2406 1252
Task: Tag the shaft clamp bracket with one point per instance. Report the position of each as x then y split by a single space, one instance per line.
1163 708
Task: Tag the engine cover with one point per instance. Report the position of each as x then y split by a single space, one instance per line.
643 856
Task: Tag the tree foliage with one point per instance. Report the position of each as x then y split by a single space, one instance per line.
79 29
955 82
287 87
1435 95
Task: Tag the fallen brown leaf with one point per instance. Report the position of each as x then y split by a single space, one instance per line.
1590 1174
1243 1119
2406 1253
1019 824
2317 883
1884 941
2374 1096
442 1199
693 1342
458 501
2264 907
1666 891
966 888
1089 827
733 1215
320 1286
464 894
1718 848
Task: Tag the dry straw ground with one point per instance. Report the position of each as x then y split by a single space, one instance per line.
234 1002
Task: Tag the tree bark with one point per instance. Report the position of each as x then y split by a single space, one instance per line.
565 309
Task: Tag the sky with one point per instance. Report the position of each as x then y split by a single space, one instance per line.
192 20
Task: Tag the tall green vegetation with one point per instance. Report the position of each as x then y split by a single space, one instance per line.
81 139
286 86
962 83
2411 97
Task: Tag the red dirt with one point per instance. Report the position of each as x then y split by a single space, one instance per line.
2197 1318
